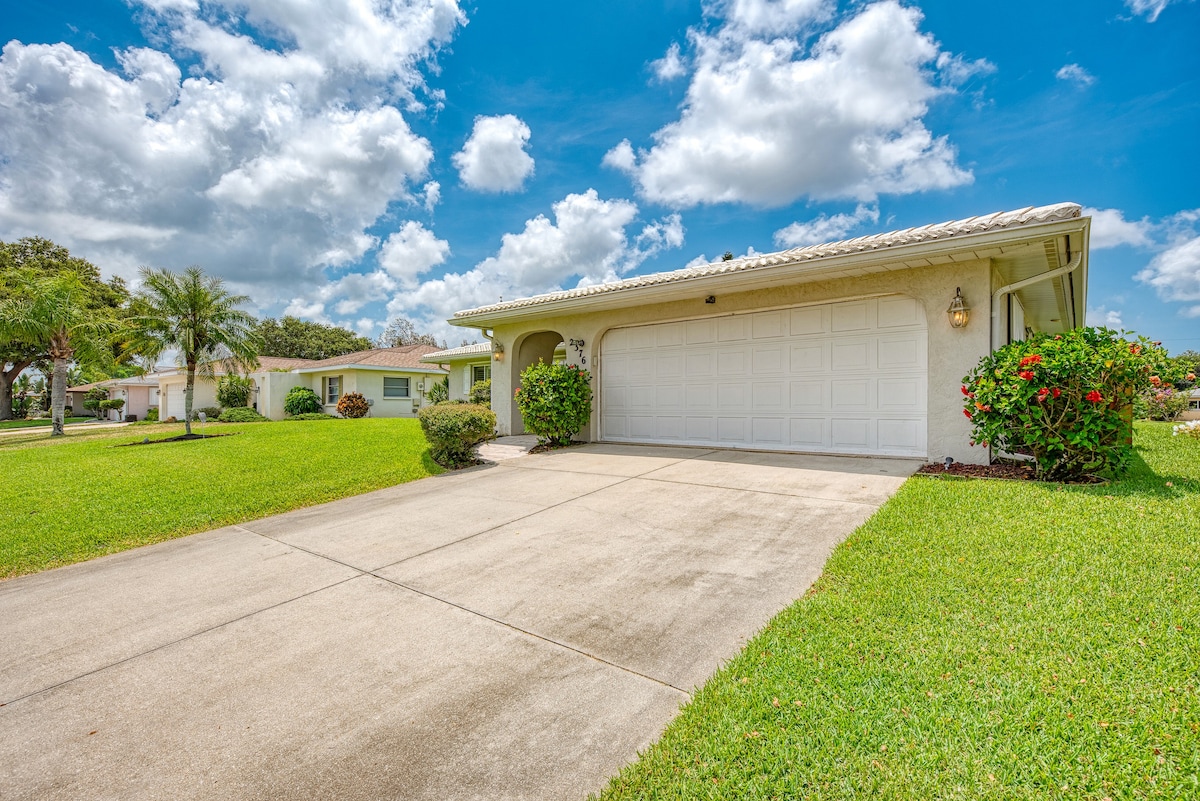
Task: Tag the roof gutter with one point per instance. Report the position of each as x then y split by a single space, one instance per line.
999 294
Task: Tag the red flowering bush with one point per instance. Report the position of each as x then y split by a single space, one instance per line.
1062 399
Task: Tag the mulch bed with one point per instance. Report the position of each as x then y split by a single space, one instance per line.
1014 471
547 448
180 438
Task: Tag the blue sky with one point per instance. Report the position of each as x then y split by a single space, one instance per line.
349 161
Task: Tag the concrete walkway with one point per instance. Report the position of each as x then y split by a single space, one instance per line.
511 631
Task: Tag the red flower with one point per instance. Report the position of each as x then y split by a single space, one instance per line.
967 412
1155 380
966 391
1191 376
1028 360
1094 396
1042 393
1135 349
1056 392
983 407
1026 374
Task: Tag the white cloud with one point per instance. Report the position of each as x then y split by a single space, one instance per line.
1110 229
825 228
767 120
1150 9
670 66
494 158
585 243
1175 273
411 251
433 195
267 163
1109 318
1076 74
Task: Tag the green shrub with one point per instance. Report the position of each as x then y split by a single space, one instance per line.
1063 399
93 398
210 412
439 392
353 405
241 414
112 404
555 401
301 400
310 416
481 392
152 414
233 391
453 429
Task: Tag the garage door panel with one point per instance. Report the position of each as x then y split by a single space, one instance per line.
844 377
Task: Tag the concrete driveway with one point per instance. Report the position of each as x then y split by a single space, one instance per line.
513 631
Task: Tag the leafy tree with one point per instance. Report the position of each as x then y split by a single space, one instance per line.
194 314
94 397
57 311
21 263
402 331
301 339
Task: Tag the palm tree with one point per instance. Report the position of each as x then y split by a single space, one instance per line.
194 314
58 312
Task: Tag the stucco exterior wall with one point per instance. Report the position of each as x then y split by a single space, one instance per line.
952 352
370 384
272 389
204 394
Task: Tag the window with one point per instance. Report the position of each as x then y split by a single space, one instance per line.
480 372
333 389
395 387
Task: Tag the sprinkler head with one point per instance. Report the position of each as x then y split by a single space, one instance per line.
949 461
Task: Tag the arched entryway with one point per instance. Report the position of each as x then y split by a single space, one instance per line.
540 345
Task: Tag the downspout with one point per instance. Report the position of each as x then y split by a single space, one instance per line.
999 294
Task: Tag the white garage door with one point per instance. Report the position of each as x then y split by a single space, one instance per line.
838 378
175 394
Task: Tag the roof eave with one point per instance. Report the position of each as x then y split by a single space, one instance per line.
789 272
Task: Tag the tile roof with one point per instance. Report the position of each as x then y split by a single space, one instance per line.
892 239
403 356
477 349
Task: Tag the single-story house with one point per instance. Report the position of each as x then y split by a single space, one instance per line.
1193 409
852 347
140 393
393 380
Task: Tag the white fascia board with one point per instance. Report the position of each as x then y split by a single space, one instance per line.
372 367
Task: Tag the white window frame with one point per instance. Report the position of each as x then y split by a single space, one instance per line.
407 387
328 383
487 372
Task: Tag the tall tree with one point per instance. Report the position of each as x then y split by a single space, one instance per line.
194 314
57 310
402 331
301 339
20 263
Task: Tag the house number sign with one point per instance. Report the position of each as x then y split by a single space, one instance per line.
577 344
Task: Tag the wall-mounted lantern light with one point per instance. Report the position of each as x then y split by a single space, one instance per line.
498 351
958 311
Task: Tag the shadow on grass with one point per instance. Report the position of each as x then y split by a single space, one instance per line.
1140 480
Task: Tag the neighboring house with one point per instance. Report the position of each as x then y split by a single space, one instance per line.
393 380
465 366
843 348
140 393
1193 409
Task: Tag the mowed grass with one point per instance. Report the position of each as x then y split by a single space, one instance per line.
972 640
77 497
6 425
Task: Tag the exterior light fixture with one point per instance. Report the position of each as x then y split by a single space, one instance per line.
958 311
498 351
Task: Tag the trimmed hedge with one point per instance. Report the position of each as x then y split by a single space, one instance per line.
453 429
241 414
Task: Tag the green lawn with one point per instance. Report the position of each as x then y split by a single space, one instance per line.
973 640
7 424
77 497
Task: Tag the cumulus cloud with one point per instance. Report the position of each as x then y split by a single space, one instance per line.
1150 9
584 242
266 164
494 158
1110 229
411 251
1109 318
1073 73
670 66
768 119
1175 272
825 228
